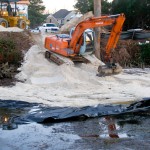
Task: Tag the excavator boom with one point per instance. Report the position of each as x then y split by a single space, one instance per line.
115 20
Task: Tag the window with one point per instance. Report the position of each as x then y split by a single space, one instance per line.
50 25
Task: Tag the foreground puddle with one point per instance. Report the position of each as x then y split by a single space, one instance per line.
115 127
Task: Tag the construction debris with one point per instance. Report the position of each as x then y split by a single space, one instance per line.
6 71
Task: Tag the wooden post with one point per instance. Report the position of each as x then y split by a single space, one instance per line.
97 12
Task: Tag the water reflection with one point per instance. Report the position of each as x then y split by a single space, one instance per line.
104 127
111 125
111 128
8 118
7 123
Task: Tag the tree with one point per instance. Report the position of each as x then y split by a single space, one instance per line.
85 6
137 12
106 7
36 10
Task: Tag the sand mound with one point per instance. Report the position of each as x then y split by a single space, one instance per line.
10 29
2 28
73 85
73 22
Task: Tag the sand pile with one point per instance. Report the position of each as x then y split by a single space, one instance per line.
10 29
2 28
73 22
76 86
73 85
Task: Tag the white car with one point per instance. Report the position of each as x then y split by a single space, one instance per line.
36 30
49 27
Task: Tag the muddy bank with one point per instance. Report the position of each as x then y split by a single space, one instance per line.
13 47
128 53
22 40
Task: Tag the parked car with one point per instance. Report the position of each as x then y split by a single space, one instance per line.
35 30
49 27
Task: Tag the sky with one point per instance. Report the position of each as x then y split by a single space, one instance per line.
55 5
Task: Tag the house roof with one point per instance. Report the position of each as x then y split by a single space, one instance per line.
62 13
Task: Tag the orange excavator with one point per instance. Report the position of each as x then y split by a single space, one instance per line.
78 43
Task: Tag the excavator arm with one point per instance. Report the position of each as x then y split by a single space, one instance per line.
115 20
114 35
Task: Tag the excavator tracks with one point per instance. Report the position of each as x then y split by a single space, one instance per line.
79 59
51 56
56 59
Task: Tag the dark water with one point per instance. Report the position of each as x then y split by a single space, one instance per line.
129 131
103 127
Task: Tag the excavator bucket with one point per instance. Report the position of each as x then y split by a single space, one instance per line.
109 69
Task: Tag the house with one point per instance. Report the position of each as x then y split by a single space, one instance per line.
61 17
52 19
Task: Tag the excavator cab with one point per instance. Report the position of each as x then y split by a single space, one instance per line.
87 46
88 42
10 15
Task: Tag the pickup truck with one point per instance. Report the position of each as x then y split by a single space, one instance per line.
49 27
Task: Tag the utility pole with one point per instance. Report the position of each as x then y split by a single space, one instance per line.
97 12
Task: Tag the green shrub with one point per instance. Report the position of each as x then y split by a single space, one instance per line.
8 52
145 53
